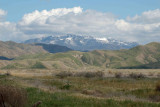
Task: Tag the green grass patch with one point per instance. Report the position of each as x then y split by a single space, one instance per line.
38 65
63 99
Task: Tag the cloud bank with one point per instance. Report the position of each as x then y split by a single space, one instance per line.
142 28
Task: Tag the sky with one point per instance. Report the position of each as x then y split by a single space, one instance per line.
128 20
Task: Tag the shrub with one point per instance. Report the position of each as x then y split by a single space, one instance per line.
67 86
11 96
64 74
110 72
155 95
158 75
151 74
93 92
88 92
158 87
136 76
118 75
98 74
7 73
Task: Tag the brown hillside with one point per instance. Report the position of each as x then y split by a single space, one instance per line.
11 49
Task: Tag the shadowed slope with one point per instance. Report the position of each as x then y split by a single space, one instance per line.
52 48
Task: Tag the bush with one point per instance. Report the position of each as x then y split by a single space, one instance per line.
64 74
136 76
151 74
12 97
110 72
158 75
88 92
118 75
66 87
155 95
98 74
158 87
93 92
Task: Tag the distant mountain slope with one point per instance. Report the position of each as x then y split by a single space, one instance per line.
147 56
154 65
54 48
136 56
84 43
11 49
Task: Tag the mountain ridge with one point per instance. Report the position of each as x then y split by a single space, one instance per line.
84 43
147 56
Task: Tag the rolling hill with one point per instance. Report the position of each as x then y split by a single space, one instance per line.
139 56
11 49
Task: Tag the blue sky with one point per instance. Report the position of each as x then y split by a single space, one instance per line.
127 20
121 8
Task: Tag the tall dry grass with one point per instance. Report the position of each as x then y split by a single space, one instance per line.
12 97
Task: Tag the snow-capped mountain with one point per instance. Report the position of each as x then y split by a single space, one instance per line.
84 43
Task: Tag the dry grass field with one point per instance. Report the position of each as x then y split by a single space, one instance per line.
150 73
111 87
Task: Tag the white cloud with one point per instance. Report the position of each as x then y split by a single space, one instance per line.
2 14
123 25
68 21
148 17
41 17
141 28
9 31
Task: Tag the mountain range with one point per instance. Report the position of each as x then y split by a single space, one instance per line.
84 43
143 56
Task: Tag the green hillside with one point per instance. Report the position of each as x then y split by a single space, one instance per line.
68 60
137 56
147 56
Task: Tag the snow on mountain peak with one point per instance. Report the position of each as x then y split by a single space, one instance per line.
105 40
69 38
82 43
52 42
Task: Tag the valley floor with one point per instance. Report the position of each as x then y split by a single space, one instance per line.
107 88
